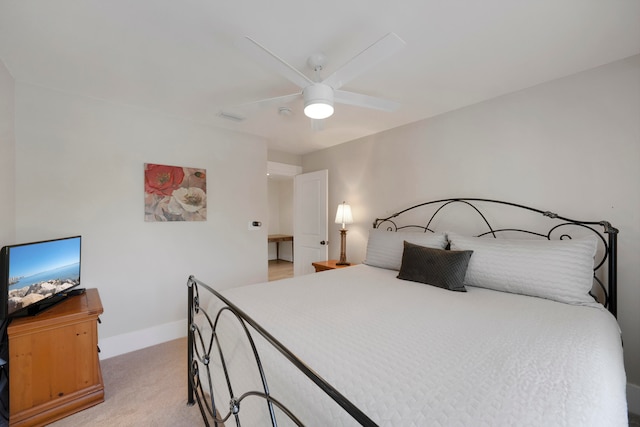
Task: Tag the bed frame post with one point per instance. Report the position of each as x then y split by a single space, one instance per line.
612 232
190 399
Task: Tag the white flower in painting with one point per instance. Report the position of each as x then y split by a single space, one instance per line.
191 199
171 207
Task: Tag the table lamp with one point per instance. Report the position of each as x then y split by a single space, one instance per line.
343 216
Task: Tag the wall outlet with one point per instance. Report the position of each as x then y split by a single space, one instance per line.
255 225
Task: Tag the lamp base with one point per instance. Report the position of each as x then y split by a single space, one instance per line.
343 248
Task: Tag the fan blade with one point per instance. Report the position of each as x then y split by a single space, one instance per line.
267 58
366 59
360 100
241 110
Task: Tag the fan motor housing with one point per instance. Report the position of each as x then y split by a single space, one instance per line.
318 101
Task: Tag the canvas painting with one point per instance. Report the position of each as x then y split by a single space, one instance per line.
174 193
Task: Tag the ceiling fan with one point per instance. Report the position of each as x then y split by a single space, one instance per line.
320 95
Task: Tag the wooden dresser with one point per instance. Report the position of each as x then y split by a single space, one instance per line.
54 369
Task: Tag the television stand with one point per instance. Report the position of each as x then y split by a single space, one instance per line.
54 369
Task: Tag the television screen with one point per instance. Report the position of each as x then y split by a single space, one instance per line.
34 274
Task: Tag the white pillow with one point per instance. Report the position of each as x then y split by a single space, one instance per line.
384 248
560 270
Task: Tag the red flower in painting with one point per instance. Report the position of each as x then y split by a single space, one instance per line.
161 179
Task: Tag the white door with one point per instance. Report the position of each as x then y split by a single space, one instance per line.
310 215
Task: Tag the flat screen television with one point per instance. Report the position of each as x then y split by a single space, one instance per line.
37 275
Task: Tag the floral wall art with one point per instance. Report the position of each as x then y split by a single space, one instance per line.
174 193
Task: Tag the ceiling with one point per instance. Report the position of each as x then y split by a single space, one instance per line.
181 57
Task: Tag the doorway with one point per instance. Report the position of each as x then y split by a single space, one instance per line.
297 220
280 199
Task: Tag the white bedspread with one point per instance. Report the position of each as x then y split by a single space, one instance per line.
408 354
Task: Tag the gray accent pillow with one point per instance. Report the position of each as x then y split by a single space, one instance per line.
437 267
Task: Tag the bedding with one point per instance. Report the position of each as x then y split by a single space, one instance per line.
560 270
408 354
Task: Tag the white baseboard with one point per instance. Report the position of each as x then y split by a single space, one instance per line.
136 340
633 398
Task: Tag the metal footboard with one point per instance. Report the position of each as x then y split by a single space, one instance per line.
202 350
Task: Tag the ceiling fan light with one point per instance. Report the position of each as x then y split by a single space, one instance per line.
318 110
318 101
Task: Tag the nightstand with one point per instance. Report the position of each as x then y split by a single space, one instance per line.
327 265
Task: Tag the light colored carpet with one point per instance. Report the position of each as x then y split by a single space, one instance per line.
147 387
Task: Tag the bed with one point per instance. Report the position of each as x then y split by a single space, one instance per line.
439 326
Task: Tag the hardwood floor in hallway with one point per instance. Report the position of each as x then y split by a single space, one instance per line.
279 269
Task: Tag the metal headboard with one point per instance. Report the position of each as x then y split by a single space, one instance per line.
609 255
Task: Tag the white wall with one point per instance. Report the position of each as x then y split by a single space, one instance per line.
282 157
79 170
571 146
7 157
286 207
273 197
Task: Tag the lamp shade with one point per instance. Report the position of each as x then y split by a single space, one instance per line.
343 215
